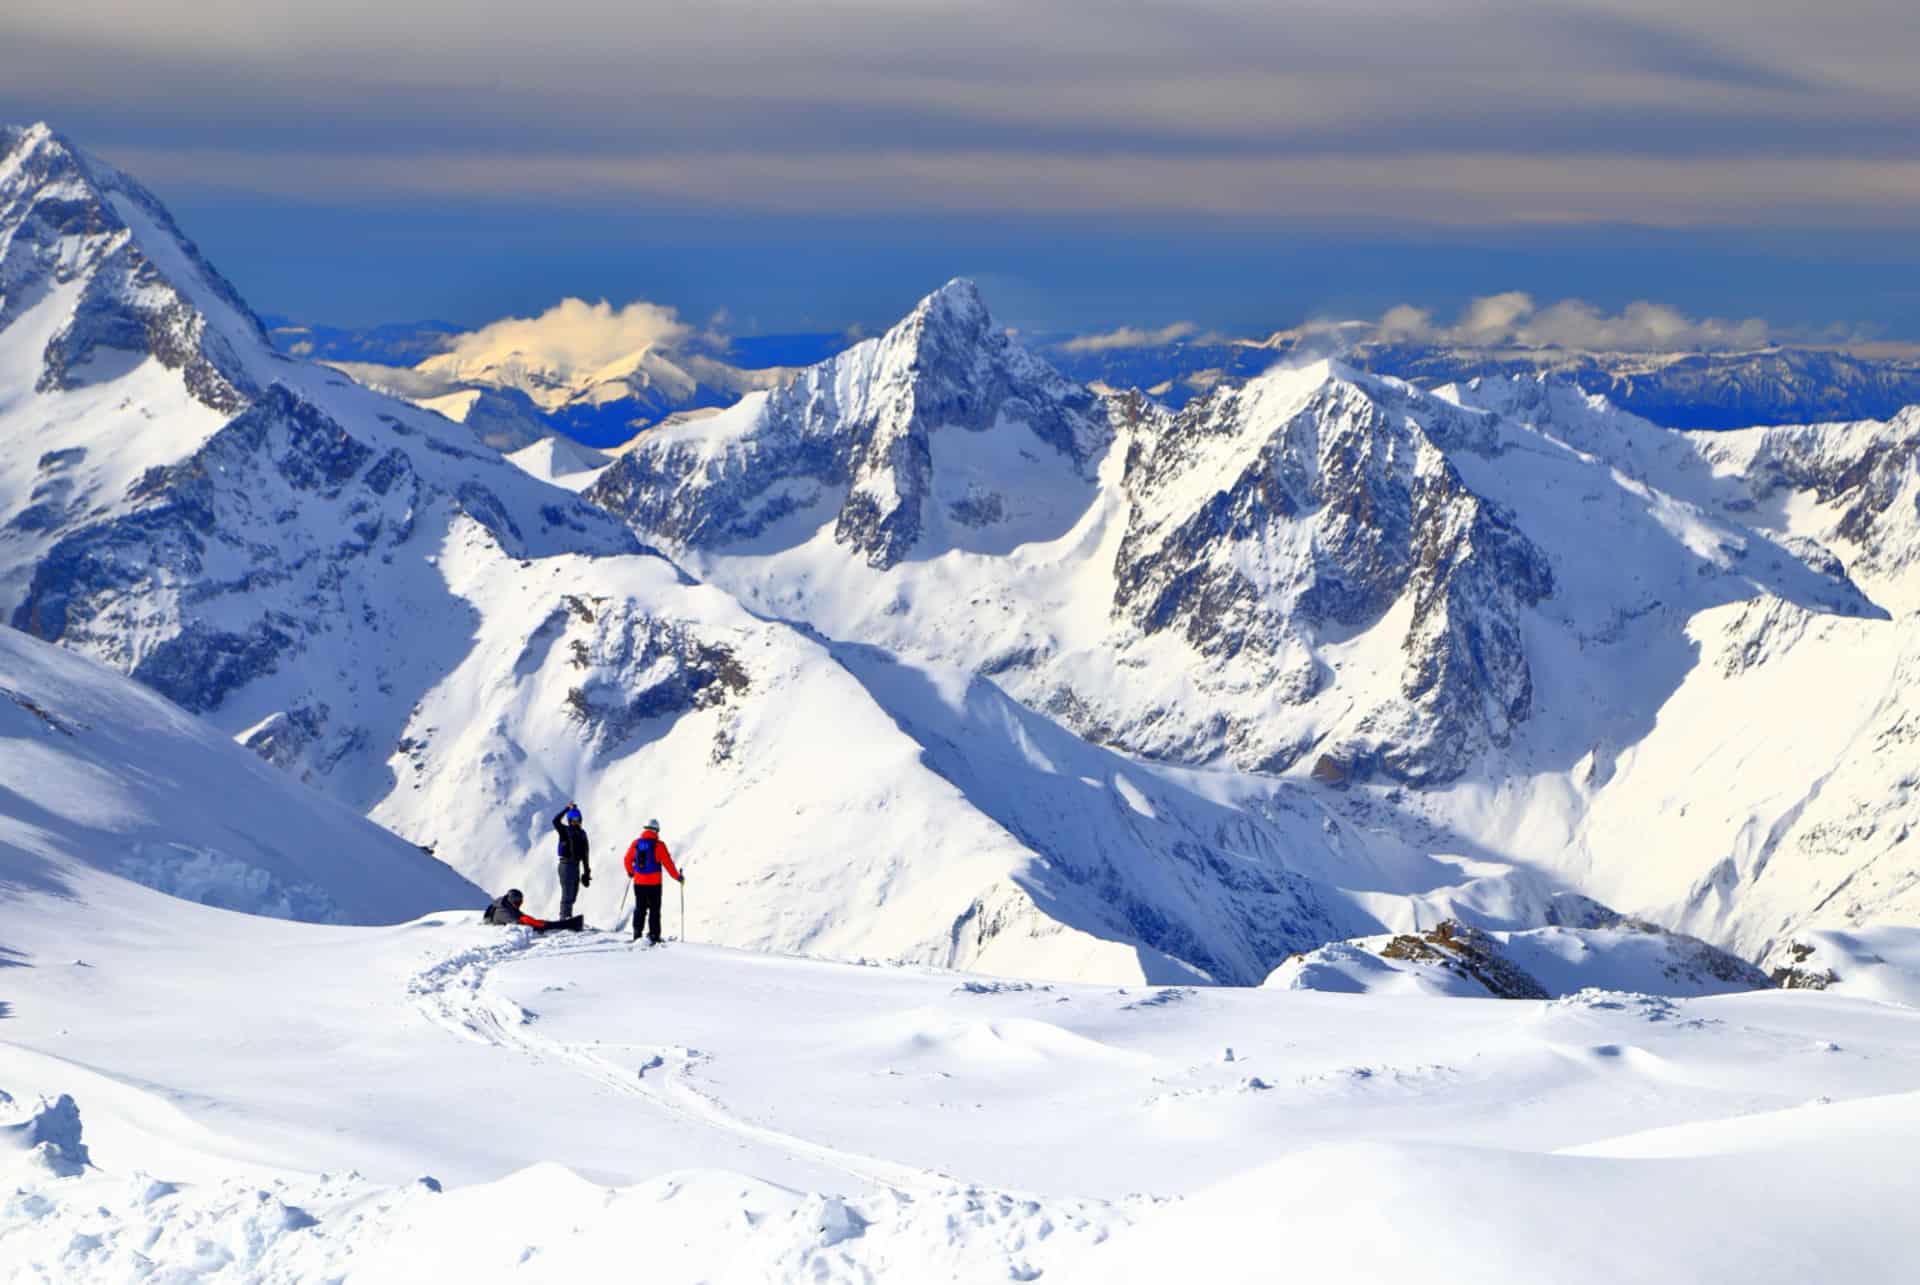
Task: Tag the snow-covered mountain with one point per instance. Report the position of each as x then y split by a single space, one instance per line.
365 596
1365 690
1139 692
942 434
1500 592
1318 563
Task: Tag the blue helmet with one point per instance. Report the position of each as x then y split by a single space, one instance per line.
573 815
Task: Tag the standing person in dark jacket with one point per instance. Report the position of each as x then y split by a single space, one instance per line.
646 858
575 871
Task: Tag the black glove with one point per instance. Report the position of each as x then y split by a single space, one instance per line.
586 878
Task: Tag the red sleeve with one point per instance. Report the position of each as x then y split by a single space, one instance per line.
531 922
633 850
666 858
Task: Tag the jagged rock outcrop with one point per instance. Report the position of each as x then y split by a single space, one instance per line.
1591 948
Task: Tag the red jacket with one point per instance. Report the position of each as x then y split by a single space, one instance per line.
662 858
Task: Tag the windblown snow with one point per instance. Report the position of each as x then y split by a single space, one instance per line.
1547 766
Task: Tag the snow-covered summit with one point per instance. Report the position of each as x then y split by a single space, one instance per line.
206 514
943 433
126 278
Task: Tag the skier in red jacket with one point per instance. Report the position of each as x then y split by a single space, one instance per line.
646 858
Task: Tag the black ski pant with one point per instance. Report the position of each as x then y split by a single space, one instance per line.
569 887
646 910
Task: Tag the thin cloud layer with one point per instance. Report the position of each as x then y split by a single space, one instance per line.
1491 110
1126 337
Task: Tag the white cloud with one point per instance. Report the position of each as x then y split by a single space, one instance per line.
572 337
1514 319
1492 319
1131 337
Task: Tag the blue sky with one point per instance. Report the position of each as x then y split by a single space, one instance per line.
815 164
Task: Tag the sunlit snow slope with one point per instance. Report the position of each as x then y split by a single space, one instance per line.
100 777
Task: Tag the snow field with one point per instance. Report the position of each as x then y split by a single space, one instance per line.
752 1117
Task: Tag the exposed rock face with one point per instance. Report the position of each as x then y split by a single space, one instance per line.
1319 522
279 515
1866 477
854 437
1794 977
641 670
1470 953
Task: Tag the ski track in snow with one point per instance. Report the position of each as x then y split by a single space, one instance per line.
453 993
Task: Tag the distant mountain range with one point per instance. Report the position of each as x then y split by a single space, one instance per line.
1710 390
1704 390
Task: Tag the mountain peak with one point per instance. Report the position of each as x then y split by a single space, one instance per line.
21 137
58 158
955 306
140 286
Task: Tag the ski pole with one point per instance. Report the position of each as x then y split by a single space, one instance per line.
683 909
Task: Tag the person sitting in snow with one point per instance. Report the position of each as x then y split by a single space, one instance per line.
505 910
646 858
576 872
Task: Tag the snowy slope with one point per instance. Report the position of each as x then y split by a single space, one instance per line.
1766 796
441 1098
563 463
99 774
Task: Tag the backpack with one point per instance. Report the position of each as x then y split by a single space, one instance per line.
643 860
